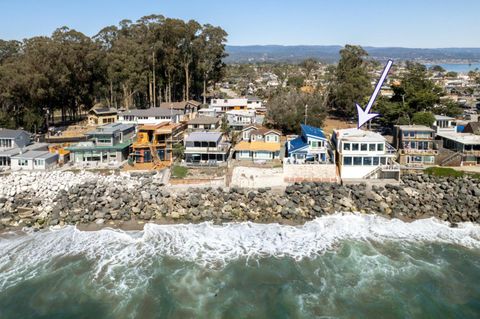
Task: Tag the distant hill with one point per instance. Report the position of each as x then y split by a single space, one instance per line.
329 53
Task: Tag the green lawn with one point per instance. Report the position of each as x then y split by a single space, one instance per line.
179 171
448 172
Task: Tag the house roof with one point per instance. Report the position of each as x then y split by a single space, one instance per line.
86 146
475 126
462 138
261 130
204 137
357 135
296 144
257 146
443 118
103 110
8 133
151 112
30 155
179 105
313 131
422 128
204 120
111 128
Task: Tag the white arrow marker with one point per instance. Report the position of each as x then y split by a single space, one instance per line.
364 115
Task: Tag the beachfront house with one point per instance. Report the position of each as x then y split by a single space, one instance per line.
188 109
6 155
238 120
107 144
415 145
206 148
10 139
258 144
102 115
444 124
466 148
204 123
34 160
312 146
153 115
154 144
364 154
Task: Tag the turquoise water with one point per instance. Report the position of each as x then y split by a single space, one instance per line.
459 68
339 267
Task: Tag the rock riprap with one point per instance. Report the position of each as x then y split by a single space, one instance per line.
57 198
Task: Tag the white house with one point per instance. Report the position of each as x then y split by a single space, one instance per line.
224 105
34 160
444 124
153 115
364 154
238 120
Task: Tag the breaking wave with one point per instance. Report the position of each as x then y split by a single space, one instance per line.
24 256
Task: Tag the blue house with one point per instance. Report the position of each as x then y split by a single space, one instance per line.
312 146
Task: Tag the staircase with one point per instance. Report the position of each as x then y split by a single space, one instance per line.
156 159
372 173
450 160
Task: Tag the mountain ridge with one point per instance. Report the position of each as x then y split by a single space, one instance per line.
330 53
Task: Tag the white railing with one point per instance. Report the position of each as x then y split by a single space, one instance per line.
192 149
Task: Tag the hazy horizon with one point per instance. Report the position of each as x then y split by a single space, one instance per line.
411 24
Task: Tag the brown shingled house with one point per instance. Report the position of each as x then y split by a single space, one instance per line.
188 108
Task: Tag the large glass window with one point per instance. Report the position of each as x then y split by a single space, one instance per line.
357 161
364 146
347 161
346 147
376 161
367 161
355 147
383 160
380 147
371 147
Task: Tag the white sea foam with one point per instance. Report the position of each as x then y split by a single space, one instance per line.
25 256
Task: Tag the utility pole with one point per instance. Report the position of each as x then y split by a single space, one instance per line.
306 112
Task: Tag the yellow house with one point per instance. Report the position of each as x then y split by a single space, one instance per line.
259 143
101 116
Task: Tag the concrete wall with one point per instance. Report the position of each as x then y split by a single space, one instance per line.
310 173
257 177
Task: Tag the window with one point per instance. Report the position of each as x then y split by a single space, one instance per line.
38 162
371 147
22 162
346 146
314 144
380 147
367 161
355 147
347 161
357 161
383 160
376 161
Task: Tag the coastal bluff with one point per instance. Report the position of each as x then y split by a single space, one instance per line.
43 199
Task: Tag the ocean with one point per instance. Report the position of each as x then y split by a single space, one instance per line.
338 266
459 68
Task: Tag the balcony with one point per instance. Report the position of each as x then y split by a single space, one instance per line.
412 151
222 148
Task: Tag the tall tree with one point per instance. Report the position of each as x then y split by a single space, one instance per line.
351 83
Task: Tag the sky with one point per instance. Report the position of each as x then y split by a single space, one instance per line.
401 23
